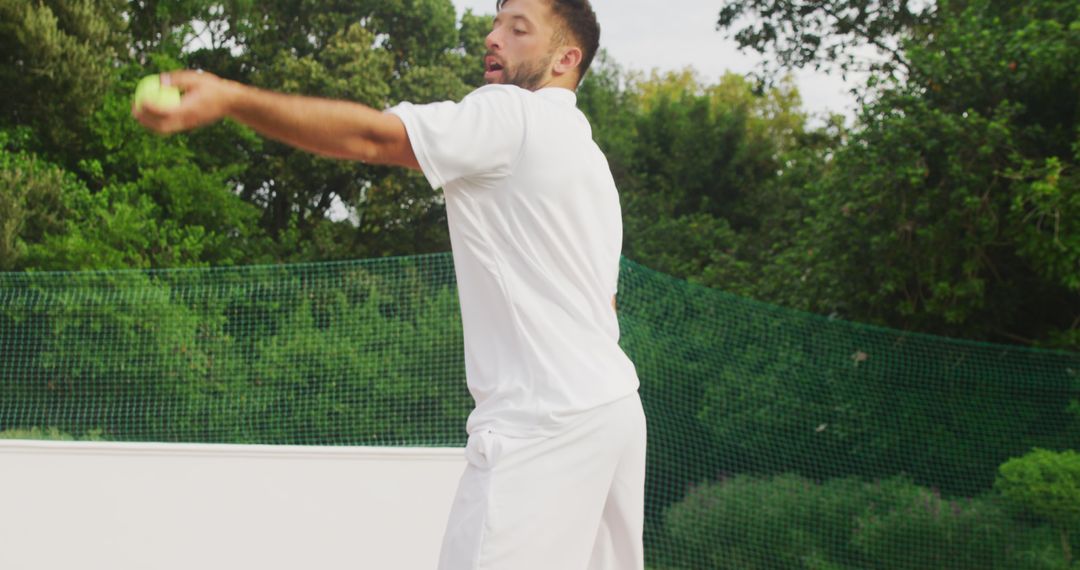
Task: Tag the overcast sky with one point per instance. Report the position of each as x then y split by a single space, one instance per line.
671 35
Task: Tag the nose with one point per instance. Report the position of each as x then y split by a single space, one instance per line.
493 41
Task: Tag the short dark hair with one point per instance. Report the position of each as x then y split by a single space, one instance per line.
579 20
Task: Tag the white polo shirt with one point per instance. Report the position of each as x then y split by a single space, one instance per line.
536 232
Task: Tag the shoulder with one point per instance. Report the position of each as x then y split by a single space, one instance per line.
498 95
499 90
504 107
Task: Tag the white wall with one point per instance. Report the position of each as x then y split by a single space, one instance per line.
119 506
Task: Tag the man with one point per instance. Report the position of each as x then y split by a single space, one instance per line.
556 450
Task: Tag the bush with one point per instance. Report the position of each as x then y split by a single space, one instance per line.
47 434
109 351
924 530
1045 484
787 521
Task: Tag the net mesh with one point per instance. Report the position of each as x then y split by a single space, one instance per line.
777 439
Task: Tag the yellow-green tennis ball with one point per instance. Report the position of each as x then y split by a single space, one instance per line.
150 90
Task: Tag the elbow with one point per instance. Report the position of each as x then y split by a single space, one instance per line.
382 153
392 152
383 142
358 149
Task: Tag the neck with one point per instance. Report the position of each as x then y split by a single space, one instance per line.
565 81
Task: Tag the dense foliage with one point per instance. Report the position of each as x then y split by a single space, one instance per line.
1046 485
301 354
369 353
892 524
950 206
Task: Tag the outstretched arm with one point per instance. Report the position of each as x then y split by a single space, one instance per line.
337 129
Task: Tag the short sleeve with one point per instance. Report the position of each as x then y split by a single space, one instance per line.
480 137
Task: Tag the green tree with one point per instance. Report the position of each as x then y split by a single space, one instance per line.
221 195
820 33
56 60
31 199
376 52
690 160
951 207
1046 484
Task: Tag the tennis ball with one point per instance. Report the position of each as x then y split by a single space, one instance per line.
150 90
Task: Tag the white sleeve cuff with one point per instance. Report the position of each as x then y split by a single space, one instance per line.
404 112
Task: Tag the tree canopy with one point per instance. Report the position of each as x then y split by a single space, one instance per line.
950 206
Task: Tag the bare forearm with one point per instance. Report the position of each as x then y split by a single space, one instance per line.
337 129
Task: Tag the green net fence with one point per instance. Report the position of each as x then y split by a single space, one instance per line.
777 439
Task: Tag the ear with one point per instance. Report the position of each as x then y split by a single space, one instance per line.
567 61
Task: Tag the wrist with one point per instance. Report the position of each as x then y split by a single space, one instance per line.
233 95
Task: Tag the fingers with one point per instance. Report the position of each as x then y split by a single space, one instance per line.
187 79
155 118
163 122
198 104
149 111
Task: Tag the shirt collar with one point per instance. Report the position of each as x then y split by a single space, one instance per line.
559 95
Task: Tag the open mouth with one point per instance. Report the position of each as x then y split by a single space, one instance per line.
491 65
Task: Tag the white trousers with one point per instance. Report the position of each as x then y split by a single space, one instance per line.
574 501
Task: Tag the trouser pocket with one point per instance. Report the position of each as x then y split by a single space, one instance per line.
481 450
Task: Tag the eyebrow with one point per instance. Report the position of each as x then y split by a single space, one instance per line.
515 17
